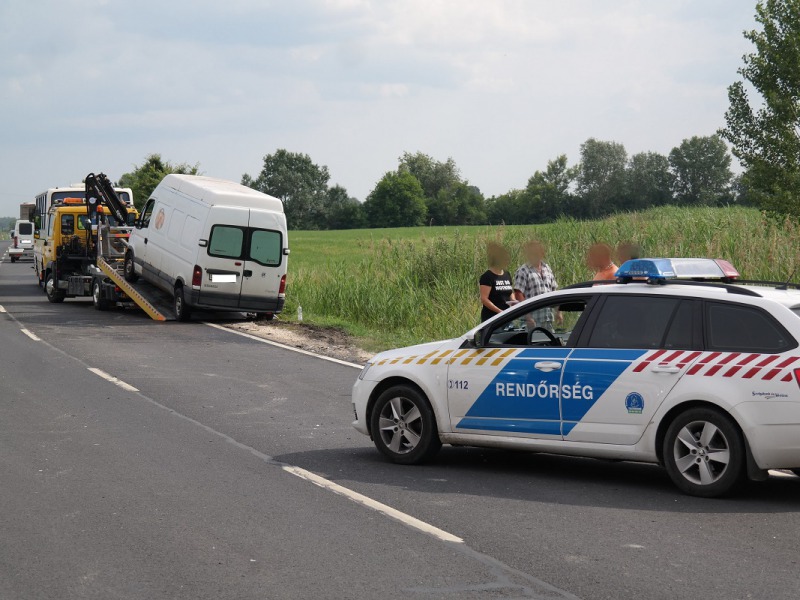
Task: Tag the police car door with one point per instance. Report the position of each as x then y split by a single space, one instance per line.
632 352
511 386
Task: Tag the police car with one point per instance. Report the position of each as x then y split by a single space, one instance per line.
678 362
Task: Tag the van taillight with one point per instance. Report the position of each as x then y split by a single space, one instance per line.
282 288
15 241
197 276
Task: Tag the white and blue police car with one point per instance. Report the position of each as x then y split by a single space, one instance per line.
677 362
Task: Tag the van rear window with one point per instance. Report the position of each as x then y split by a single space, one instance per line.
26 228
266 247
226 241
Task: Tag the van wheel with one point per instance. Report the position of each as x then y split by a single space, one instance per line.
182 310
54 295
99 302
13 258
130 272
704 453
403 426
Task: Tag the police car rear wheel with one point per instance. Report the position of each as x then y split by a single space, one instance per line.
404 427
704 453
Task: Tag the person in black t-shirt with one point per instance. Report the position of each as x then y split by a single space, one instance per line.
495 284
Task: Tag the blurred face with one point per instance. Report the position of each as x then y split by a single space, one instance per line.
534 253
499 257
599 257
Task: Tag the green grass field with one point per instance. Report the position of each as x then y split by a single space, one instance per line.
392 287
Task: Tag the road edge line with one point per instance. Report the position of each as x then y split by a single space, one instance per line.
30 334
284 346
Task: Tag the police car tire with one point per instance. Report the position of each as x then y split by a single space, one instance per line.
727 436
422 427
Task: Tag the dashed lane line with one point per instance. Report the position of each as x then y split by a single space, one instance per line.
31 335
363 500
2 309
284 346
118 382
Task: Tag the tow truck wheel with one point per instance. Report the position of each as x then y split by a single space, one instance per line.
99 302
704 453
403 426
130 272
182 310
54 295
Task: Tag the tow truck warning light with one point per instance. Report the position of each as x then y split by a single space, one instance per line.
677 268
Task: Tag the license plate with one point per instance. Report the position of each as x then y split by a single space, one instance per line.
25 241
223 278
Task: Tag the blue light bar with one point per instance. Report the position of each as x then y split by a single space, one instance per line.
676 268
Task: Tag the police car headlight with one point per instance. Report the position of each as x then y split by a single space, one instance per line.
364 371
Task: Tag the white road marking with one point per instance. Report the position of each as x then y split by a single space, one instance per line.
118 382
31 335
285 347
363 500
2 309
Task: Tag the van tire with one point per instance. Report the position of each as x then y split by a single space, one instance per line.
182 311
129 269
54 295
13 258
99 302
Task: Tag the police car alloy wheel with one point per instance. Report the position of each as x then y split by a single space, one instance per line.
704 453
403 426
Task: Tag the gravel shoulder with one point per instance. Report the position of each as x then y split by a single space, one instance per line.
322 340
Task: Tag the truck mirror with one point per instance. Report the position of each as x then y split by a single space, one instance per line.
36 235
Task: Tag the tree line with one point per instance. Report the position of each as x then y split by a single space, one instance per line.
764 135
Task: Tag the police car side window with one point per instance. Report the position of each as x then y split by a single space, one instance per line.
681 329
524 328
732 328
632 322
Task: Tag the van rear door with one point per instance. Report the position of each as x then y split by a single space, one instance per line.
265 264
224 257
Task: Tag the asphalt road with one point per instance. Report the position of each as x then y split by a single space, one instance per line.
183 483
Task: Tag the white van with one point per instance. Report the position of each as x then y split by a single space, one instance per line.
21 241
212 244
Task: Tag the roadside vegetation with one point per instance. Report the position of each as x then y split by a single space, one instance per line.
392 287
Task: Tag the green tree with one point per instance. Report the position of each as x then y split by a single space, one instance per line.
398 200
601 177
342 211
301 184
434 176
766 140
510 208
547 195
649 181
145 177
701 171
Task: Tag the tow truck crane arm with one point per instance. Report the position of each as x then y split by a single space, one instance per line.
100 191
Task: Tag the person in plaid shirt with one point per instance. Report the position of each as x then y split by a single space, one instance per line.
534 278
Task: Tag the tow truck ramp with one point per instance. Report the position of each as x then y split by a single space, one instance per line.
147 297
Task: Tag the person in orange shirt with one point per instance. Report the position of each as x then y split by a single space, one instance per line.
599 261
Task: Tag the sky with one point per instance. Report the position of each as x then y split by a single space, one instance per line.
501 86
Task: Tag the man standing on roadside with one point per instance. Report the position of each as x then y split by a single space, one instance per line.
533 278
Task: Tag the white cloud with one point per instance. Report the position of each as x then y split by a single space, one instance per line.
501 86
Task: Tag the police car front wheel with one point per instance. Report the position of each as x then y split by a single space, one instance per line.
704 453
403 426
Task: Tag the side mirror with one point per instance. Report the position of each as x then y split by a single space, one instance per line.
36 235
203 243
477 339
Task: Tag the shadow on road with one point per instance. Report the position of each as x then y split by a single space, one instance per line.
544 478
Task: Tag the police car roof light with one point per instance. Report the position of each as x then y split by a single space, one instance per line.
660 269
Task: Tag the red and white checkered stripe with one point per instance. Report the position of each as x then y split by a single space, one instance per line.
742 365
